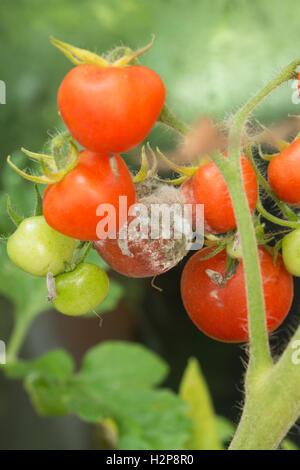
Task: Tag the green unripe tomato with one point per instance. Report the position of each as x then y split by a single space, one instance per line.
82 290
291 252
38 249
235 254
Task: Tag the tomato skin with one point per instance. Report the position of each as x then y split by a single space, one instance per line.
82 290
221 313
110 109
284 174
211 190
291 252
70 205
140 265
38 249
187 193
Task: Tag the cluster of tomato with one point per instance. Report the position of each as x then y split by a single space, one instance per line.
109 107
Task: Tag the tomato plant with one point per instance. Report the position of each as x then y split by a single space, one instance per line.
70 206
110 109
82 290
284 173
238 288
38 249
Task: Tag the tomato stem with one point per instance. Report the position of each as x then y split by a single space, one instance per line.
17 337
169 119
276 220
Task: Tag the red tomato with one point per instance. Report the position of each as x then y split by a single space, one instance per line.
284 173
221 312
211 190
70 205
110 109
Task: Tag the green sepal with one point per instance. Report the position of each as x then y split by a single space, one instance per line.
38 210
14 216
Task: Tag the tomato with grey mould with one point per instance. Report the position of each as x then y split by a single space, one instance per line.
146 256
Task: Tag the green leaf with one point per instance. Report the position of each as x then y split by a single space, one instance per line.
46 381
49 397
115 382
194 391
146 419
55 364
122 364
153 419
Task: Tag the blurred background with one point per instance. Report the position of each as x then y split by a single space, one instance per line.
212 56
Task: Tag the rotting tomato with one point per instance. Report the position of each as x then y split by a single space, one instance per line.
80 291
221 312
209 188
284 174
110 109
38 249
145 254
70 206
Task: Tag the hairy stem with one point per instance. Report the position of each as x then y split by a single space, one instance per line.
169 119
276 220
273 406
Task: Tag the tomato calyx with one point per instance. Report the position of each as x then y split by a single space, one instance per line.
120 57
54 167
218 279
270 138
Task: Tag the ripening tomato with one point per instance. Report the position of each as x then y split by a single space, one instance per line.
110 109
221 312
70 206
210 189
284 174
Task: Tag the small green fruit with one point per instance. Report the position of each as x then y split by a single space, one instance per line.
38 249
82 290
